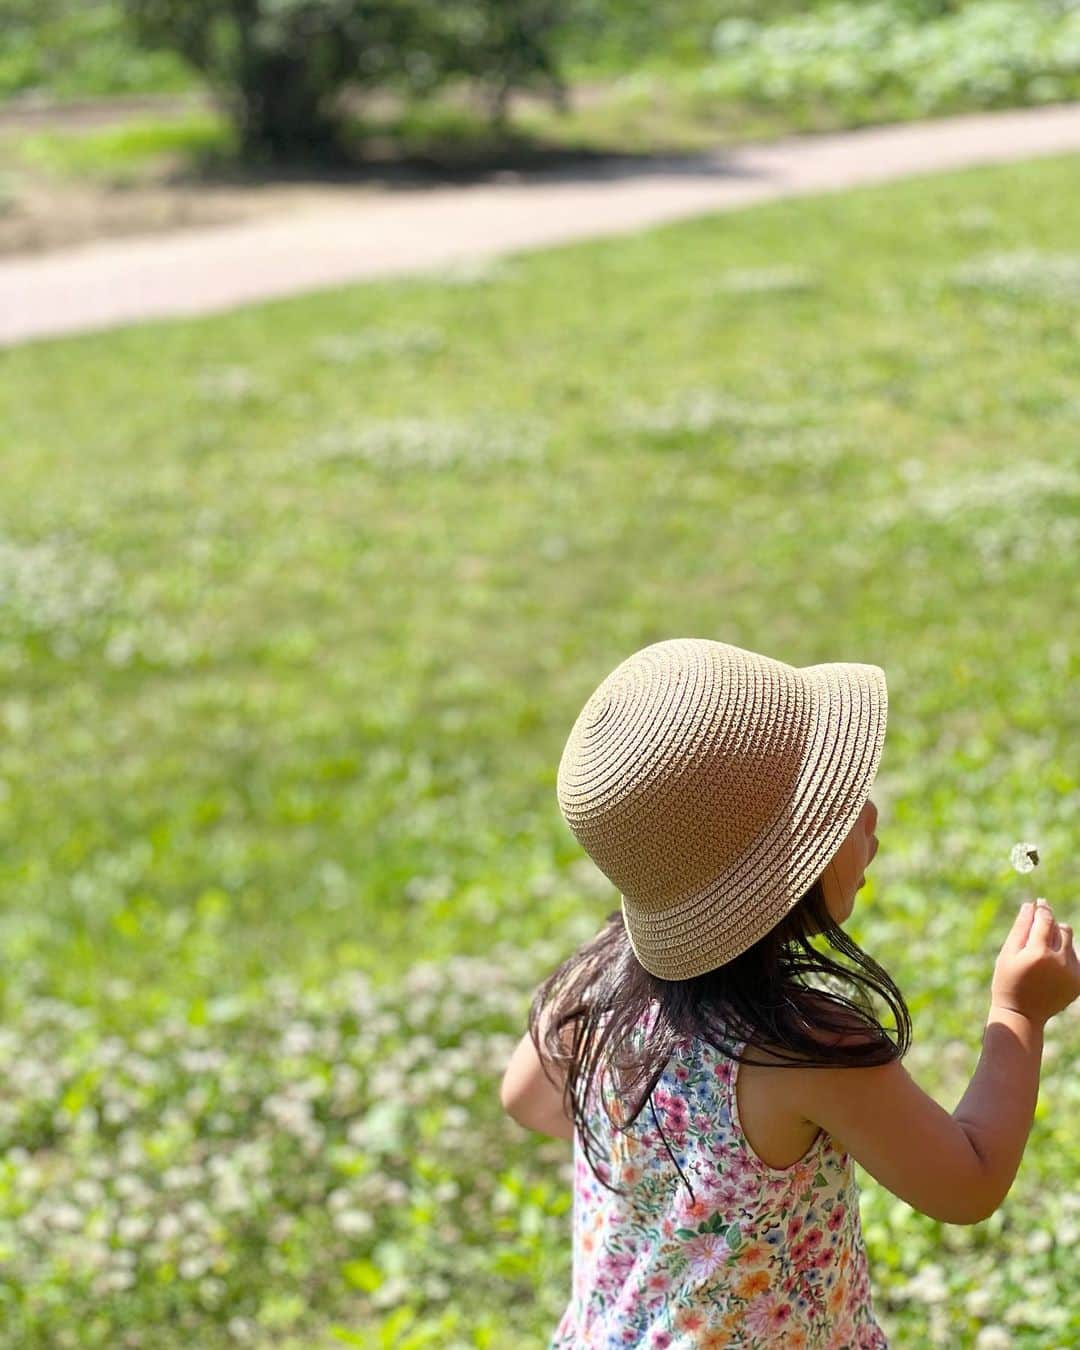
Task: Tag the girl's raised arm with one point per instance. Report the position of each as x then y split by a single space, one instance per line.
958 1168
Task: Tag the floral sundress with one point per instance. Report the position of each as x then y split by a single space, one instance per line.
763 1257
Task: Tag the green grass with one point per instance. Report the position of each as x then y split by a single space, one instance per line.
123 153
300 605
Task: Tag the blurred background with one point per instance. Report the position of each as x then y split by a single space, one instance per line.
211 110
299 602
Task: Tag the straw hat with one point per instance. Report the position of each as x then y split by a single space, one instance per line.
713 785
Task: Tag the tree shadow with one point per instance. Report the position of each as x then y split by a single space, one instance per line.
377 157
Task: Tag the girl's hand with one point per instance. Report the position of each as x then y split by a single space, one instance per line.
1037 973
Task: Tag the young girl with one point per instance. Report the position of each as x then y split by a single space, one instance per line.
727 796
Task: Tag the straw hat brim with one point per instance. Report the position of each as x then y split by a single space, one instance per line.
849 710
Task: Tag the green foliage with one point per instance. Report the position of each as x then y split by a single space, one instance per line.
78 49
280 65
674 76
615 34
882 60
300 603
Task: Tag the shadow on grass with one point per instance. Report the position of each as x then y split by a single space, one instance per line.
408 154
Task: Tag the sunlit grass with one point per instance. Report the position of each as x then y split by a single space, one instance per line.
299 605
124 153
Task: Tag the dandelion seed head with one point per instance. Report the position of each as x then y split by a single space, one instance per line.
1024 857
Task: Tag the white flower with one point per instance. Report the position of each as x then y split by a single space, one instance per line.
390 1292
1024 857
191 1267
66 1216
928 1285
353 1222
133 1227
993 1338
87 1191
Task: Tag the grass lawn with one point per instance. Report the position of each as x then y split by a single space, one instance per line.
300 605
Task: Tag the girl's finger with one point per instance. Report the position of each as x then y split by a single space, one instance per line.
1042 925
1021 925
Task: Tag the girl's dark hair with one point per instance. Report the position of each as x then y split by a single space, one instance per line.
602 992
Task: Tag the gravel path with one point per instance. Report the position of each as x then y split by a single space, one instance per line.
411 230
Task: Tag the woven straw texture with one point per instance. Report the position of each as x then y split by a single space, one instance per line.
712 785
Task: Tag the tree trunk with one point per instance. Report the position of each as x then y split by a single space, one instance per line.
499 107
284 118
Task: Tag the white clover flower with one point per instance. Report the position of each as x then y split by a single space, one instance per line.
87 1191
65 1216
928 1286
110 1281
116 1112
212 1290
1027 1310
979 1302
91 1255
993 1338
292 1115
390 1292
229 384
353 1222
176 1177
133 1227
128 1185
194 1211
192 1267
470 271
232 1194
758 280
299 1039
1024 857
395 1192
86 1122
345 1080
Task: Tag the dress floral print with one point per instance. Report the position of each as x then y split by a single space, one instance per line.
761 1257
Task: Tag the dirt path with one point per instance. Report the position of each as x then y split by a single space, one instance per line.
410 230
